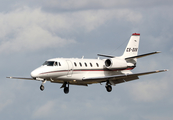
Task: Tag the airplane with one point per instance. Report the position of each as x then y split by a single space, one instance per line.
79 71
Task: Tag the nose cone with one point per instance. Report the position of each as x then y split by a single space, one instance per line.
37 73
34 74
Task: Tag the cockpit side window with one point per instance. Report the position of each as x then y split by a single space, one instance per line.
49 63
55 63
45 63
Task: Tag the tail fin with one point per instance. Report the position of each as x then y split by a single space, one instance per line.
132 46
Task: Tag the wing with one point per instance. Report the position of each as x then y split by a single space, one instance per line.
20 78
120 78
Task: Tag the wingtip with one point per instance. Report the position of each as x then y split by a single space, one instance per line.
165 70
158 51
8 77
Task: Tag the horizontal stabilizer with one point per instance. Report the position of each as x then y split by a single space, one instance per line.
143 55
110 56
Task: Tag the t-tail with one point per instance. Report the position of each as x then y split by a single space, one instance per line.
132 47
131 51
129 57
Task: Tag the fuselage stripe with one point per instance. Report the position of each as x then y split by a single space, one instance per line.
75 70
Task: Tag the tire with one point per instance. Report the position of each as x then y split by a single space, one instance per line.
66 90
41 87
109 88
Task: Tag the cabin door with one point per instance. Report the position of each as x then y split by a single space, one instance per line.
70 68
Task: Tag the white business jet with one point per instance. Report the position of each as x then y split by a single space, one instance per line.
74 71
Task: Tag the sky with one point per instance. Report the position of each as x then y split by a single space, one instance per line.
32 31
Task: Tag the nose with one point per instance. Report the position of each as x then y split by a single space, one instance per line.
34 74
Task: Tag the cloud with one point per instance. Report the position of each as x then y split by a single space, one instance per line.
23 30
27 29
33 38
58 5
60 107
149 91
78 5
84 4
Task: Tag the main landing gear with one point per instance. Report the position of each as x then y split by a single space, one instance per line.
66 87
108 87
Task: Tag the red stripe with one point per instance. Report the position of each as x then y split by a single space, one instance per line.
136 34
88 70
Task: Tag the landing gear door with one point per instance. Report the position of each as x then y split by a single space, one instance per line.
70 68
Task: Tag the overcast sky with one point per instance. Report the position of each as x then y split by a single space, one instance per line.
32 31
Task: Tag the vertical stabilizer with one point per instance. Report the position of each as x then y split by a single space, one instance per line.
132 46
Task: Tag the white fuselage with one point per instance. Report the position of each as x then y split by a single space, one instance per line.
73 70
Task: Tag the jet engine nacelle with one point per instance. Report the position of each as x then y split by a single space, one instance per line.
115 63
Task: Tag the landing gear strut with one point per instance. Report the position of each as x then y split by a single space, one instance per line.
66 87
108 87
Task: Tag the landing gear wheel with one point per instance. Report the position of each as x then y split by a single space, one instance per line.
42 87
66 90
109 88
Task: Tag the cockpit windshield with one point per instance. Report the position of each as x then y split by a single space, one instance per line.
50 63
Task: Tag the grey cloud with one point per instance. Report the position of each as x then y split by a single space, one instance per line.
27 29
61 5
77 5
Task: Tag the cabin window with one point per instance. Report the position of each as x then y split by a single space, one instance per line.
97 64
59 64
85 64
80 64
75 64
91 64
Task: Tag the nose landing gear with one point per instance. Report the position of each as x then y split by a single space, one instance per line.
42 86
